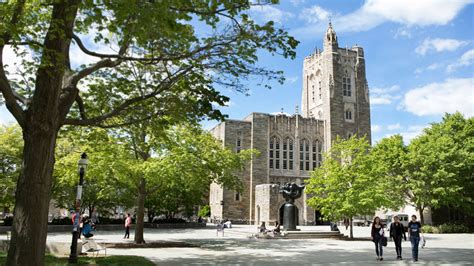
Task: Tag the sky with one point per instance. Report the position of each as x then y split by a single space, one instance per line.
419 59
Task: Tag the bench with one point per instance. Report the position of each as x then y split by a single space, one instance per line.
89 245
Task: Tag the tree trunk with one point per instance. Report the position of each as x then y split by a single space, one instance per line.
422 218
32 197
140 212
351 231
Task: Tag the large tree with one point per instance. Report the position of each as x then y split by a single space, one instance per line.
162 35
442 165
348 183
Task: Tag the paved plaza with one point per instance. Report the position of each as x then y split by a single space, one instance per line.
237 248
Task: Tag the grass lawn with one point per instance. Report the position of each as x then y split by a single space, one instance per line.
110 260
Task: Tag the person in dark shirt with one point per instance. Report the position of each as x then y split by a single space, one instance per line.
414 231
397 231
377 235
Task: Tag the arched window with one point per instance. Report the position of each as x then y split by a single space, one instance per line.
346 84
317 153
304 155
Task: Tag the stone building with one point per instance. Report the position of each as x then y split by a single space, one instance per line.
335 102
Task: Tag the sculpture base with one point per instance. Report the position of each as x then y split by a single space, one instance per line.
295 229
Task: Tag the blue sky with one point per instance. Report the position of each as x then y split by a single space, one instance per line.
419 59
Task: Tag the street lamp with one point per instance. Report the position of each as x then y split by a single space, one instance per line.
82 165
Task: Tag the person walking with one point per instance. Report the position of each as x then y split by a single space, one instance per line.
397 231
414 231
377 236
128 223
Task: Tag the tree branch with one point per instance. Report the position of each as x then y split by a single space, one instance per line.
97 121
8 94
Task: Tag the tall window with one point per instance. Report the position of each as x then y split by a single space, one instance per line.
277 153
314 154
320 90
288 154
312 92
346 84
304 155
238 146
271 152
237 196
348 115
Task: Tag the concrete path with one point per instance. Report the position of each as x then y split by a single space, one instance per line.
236 248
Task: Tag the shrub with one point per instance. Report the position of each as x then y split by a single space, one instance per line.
107 220
8 221
169 221
61 221
446 229
205 211
453 228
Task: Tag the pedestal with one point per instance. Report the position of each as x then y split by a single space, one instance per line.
289 217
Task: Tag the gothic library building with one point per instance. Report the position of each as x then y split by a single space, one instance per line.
335 102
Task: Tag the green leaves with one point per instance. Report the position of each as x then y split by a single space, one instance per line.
347 184
11 150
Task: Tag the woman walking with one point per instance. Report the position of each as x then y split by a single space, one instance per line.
377 237
397 231
414 231
128 223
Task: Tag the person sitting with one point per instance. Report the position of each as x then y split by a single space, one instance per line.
87 227
228 224
262 228
277 229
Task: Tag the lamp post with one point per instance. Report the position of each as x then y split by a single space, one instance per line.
82 165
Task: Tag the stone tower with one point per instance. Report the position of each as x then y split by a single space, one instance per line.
335 89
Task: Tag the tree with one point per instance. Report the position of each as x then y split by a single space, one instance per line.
103 187
160 35
442 165
347 183
11 146
187 163
435 169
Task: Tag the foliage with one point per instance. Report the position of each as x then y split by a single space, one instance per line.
205 211
348 182
169 221
442 164
446 229
185 166
103 187
11 150
61 221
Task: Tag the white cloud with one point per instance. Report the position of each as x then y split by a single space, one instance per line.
466 59
375 12
291 80
434 66
376 128
439 45
437 98
315 14
383 96
394 126
410 133
403 32
297 2
268 12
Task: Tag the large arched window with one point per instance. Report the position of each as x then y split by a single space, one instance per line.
346 84
304 155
